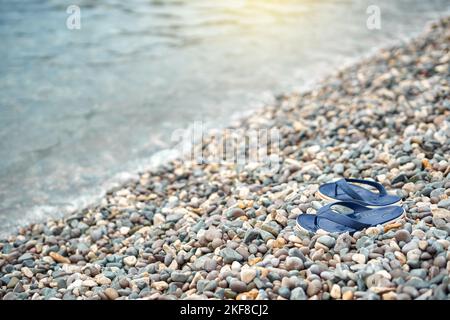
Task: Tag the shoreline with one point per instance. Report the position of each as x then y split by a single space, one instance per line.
196 231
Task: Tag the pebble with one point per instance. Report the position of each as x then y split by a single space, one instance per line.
229 255
271 227
158 219
445 203
335 292
248 274
348 295
343 241
402 235
327 241
313 288
251 235
102 279
111 293
294 263
359 258
179 276
409 246
284 292
130 261
59 258
27 272
160 285
234 213
89 283
24 257
238 286
298 294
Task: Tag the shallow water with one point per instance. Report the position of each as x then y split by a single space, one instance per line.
81 108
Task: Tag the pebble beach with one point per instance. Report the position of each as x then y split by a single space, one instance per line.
188 230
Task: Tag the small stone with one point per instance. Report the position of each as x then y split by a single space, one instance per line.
440 261
130 260
59 258
348 295
89 283
284 292
392 226
124 283
160 285
402 235
248 274
179 276
294 239
335 292
343 241
12 283
234 213
266 236
359 258
254 261
158 219
272 226
400 178
389 296
96 234
251 235
338 168
238 286
314 287
111 293
25 256
124 231
377 280
10 296
229 255
27 272
298 294
409 246
216 243
441 213
236 266
212 234
327 241
244 192
372 231
444 204
101 279
281 219
294 263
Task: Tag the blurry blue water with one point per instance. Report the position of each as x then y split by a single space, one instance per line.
79 107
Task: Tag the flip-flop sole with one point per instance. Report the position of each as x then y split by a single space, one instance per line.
395 220
329 199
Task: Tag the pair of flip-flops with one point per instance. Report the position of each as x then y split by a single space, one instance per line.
353 207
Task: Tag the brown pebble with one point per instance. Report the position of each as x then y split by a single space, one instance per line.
392 226
111 293
348 295
58 258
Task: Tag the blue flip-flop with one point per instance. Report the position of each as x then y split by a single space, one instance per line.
347 190
329 219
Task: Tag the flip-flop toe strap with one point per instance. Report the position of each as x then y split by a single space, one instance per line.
340 219
344 186
374 184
